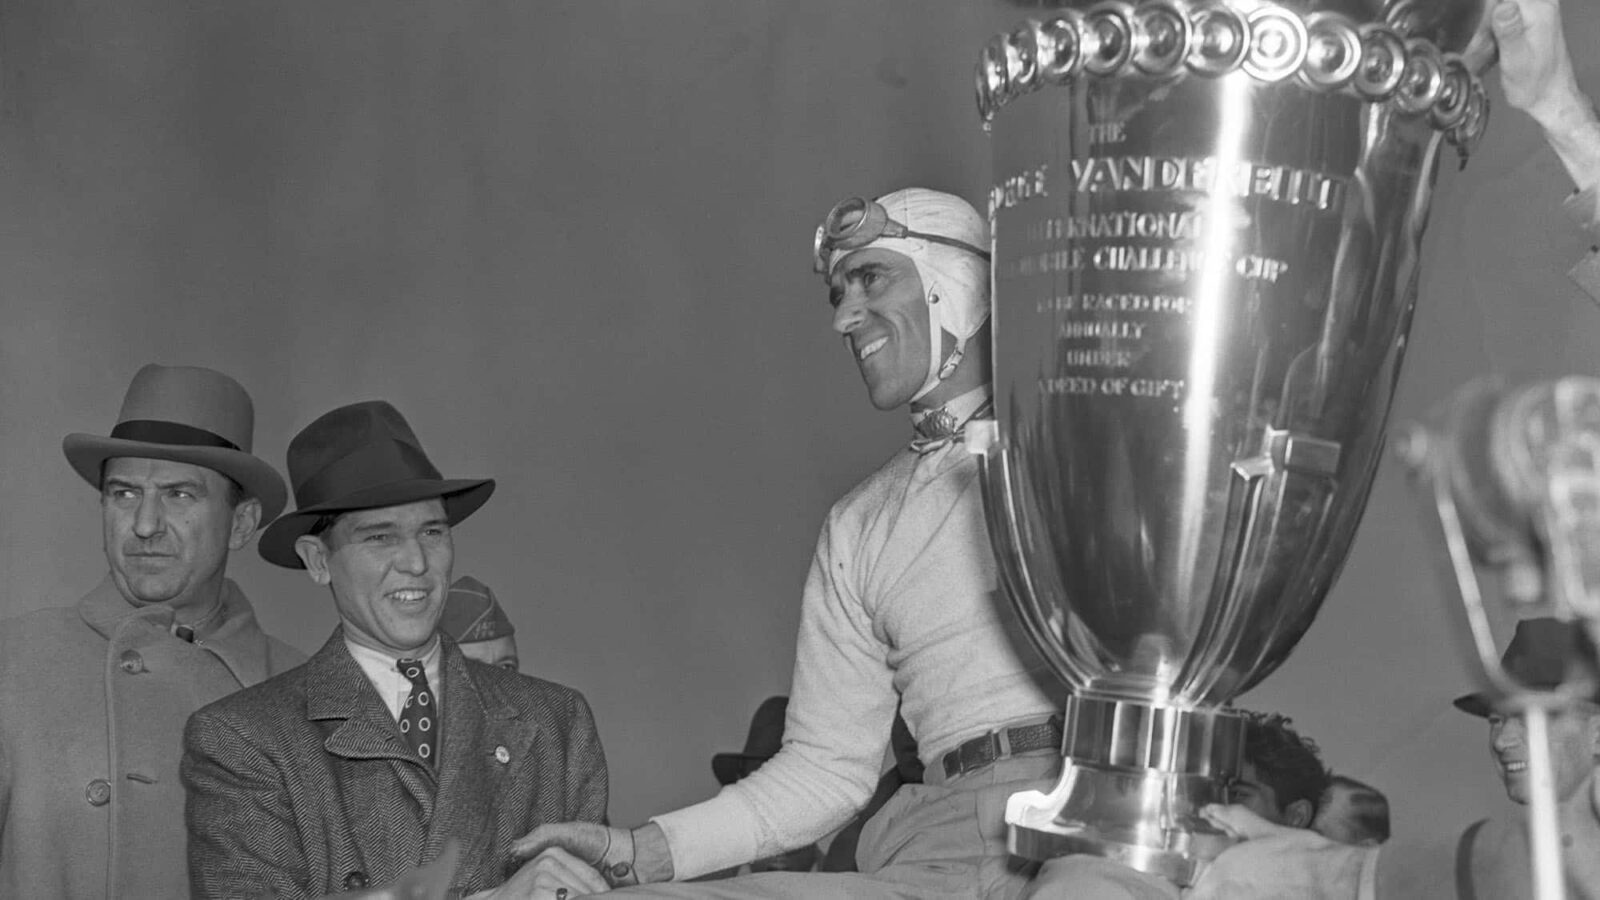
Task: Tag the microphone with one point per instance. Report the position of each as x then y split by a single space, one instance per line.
1513 473
1521 468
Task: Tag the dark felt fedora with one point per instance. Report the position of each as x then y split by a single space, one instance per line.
361 456
185 414
760 745
1539 656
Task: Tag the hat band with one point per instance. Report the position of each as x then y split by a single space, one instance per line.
155 431
371 465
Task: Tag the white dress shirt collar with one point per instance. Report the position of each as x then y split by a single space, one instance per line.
380 669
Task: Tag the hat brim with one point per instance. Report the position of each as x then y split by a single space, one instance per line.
1475 704
461 496
87 454
731 767
1482 704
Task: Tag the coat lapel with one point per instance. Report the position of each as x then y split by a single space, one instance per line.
484 741
390 831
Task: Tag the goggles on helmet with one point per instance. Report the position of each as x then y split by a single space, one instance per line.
857 222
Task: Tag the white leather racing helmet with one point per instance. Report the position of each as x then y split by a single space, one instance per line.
945 238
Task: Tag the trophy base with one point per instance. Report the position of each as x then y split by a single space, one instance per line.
1134 780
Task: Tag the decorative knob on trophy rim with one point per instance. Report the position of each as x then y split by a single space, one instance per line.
1383 62
1422 79
1111 27
1325 52
1277 44
1222 38
1165 40
1333 52
1059 46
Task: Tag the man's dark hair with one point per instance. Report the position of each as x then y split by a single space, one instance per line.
1369 809
1284 760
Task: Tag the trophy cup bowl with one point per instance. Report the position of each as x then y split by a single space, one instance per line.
1206 218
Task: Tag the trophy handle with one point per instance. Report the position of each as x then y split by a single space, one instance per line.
1000 516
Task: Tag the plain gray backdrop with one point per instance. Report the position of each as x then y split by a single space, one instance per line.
570 241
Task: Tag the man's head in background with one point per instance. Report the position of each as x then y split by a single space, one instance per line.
1353 812
474 620
1544 653
1282 779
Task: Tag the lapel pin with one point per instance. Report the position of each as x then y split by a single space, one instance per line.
502 754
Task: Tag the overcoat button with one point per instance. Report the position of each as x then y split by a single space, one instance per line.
132 662
98 792
502 755
355 881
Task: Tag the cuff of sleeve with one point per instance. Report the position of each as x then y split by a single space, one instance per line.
709 836
1369 876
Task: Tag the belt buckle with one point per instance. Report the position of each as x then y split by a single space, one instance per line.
978 752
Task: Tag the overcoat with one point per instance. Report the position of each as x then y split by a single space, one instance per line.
93 700
304 786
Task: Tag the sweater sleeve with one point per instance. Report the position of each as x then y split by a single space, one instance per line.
840 708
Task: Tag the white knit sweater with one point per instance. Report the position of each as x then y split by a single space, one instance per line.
901 605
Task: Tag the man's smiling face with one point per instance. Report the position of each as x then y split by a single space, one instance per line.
880 307
390 571
1574 745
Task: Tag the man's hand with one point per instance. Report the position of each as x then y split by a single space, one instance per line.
553 874
587 841
623 857
1535 68
1536 72
1274 861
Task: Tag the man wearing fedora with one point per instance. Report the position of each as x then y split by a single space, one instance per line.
94 696
1488 861
389 744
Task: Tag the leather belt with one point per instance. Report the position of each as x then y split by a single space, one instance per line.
986 749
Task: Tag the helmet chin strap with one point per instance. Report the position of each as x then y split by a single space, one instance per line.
938 371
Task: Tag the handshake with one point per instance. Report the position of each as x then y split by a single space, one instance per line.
572 859
553 862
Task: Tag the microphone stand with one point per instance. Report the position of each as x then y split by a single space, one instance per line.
1538 457
1543 826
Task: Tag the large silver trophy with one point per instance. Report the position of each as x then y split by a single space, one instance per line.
1206 221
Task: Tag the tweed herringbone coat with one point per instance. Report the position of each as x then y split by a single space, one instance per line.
304 786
